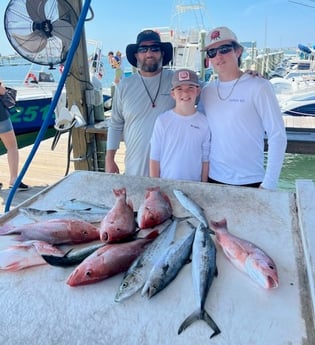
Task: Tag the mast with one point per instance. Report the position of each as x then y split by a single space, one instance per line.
187 24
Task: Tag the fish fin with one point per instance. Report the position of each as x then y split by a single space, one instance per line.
13 267
7 229
68 252
56 260
199 315
181 219
220 223
188 261
152 235
208 319
166 198
61 261
196 315
19 237
212 232
130 204
51 211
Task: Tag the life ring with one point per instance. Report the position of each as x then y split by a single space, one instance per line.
31 77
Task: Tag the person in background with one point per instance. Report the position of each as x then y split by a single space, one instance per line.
119 72
119 56
241 111
180 142
111 58
8 139
115 62
137 102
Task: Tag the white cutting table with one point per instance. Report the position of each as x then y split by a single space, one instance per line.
37 307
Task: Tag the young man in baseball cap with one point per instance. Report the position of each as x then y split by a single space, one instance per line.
241 110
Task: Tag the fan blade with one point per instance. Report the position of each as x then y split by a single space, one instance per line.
36 10
32 43
64 31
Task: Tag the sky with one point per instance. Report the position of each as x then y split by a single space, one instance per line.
271 23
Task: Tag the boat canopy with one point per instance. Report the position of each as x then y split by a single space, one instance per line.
304 48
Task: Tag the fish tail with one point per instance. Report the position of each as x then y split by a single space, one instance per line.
13 267
199 315
7 229
211 323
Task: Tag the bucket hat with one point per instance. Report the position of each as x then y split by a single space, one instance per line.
149 35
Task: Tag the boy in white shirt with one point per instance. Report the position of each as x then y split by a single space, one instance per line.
180 142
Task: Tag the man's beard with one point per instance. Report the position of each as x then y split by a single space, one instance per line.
152 67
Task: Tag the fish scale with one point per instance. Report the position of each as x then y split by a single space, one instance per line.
168 265
136 275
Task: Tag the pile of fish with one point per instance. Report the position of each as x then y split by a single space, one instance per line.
143 244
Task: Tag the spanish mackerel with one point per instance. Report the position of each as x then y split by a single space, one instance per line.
204 269
191 206
136 275
89 216
80 205
168 265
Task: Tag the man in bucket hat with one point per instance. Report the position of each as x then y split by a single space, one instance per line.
240 110
138 100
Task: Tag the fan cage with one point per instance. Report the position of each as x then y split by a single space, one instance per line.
29 38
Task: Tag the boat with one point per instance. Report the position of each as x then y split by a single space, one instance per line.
186 33
295 89
33 101
35 92
296 96
299 104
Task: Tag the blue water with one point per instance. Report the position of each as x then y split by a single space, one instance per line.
14 73
296 166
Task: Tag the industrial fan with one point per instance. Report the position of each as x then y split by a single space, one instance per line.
41 31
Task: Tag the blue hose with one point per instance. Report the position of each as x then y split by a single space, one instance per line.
45 124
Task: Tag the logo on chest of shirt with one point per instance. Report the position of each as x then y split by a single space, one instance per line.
237 100
194 126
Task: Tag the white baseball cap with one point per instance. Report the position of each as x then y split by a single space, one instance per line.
219 34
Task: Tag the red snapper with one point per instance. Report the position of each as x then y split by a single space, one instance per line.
119 223
108 261
155 209
246 256
54 231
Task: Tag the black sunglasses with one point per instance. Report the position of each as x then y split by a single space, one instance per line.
224 49
145 49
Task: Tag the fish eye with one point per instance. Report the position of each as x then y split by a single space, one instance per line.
88 273
125 284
